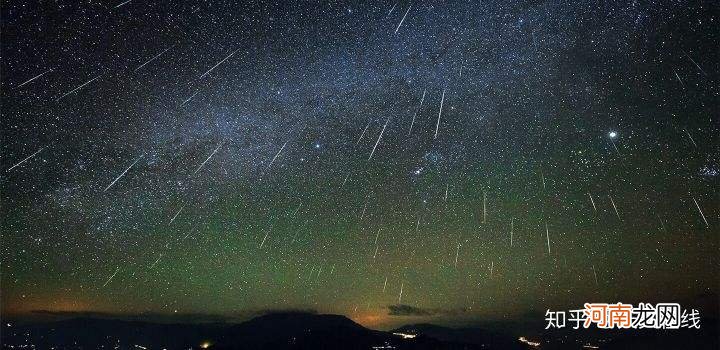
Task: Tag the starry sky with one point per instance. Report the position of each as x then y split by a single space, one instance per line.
385 160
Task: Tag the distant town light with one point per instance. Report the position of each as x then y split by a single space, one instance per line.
405 335
530 343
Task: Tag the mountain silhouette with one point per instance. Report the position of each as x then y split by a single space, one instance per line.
301 330
288 330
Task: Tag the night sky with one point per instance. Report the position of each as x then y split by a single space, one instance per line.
388 161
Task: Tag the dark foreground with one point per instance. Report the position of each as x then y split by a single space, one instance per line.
311 331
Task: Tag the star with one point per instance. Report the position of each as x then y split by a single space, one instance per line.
218 160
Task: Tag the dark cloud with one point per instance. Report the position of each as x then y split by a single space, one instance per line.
407 310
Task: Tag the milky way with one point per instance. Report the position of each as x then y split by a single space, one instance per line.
482 160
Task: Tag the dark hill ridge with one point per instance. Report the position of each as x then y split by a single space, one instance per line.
301 320
302 330
293 330
297 330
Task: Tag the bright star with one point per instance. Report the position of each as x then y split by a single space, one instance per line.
613 134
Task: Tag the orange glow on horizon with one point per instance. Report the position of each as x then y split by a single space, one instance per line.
370 319
42 304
